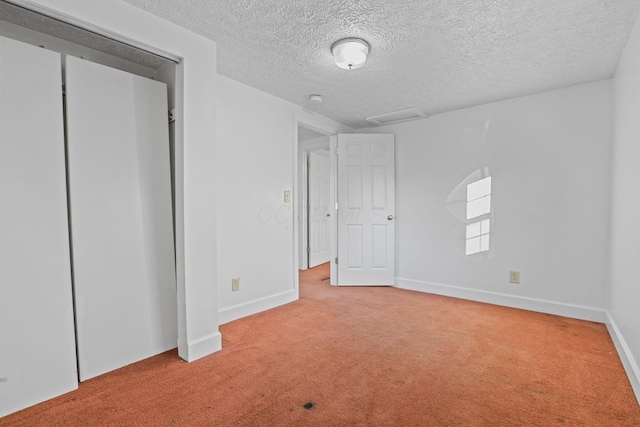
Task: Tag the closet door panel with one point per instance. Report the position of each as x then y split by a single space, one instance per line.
37 344
122 235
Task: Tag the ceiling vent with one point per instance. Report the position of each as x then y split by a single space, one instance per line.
397 117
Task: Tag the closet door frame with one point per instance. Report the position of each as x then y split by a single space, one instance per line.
194 150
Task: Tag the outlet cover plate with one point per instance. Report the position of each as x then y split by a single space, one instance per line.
514 277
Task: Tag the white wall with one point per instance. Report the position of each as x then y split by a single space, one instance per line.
548 155
195 155
255 226
624 279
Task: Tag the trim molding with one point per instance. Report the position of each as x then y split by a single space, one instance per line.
229 314
581 312
200 347
574 311
92 28
629 363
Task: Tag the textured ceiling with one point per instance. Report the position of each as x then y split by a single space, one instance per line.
436 55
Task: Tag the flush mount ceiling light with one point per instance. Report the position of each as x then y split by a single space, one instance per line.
350 53
315 98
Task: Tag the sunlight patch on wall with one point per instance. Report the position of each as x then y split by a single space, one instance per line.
471 203
478 204
478 237
479 198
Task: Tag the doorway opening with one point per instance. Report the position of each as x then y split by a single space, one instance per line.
313 232
360 213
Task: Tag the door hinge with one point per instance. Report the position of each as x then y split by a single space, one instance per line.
172 115
336 260
308 207
308 164
308 249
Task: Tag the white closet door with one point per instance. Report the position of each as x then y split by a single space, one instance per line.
37 347
122 235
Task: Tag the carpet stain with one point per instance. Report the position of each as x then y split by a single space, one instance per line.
308 405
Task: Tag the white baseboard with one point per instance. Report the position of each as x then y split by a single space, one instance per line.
533 304
200 347
229 314
629 363
543 306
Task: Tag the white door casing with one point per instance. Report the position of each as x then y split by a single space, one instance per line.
366 209
120 199
318 194
37 337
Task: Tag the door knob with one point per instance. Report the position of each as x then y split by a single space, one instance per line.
328 215
390 217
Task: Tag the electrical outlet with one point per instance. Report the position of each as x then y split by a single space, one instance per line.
514 277
235 284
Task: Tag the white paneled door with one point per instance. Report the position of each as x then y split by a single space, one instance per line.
318 207
366 209
37 338
119 188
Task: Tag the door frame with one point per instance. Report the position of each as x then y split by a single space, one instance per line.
329 129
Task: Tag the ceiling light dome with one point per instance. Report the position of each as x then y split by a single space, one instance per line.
315 98
350 53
